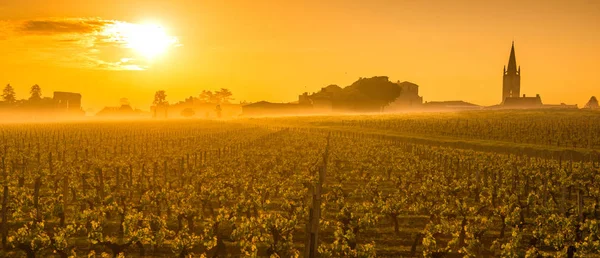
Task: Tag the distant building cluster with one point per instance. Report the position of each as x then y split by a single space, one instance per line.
62 104
364 95
352 98
375 94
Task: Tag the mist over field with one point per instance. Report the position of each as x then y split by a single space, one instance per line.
478 183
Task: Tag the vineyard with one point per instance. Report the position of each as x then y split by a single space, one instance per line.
347 186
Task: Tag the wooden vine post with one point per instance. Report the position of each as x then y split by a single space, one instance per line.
314 215
4 204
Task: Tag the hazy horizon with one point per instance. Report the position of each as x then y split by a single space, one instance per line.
374 128
262 50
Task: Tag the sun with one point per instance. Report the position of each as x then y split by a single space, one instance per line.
148 40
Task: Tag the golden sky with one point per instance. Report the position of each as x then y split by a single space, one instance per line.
274 50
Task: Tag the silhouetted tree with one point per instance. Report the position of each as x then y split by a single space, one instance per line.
378 89
207 96
224 96
36 93
218 97
9 94
160 98
592 103
368 94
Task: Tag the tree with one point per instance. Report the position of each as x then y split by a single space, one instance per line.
368 94
224 96
206 96
9 94
160 98
592 103
36 92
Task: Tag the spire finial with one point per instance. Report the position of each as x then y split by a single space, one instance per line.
512 61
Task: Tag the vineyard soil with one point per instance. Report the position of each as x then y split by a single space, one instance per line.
469 184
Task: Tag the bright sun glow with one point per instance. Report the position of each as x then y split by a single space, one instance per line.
149 40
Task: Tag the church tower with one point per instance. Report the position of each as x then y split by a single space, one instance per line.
511 85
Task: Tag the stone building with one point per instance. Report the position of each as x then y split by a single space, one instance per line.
409 97
511 86
523 102
67 100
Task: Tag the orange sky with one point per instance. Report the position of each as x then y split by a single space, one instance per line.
274 50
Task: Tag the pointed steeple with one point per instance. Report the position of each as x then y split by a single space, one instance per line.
511 80
512 61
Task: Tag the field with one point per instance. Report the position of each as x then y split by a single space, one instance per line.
469 184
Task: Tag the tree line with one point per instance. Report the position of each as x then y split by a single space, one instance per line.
218 97
9 96
222 96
